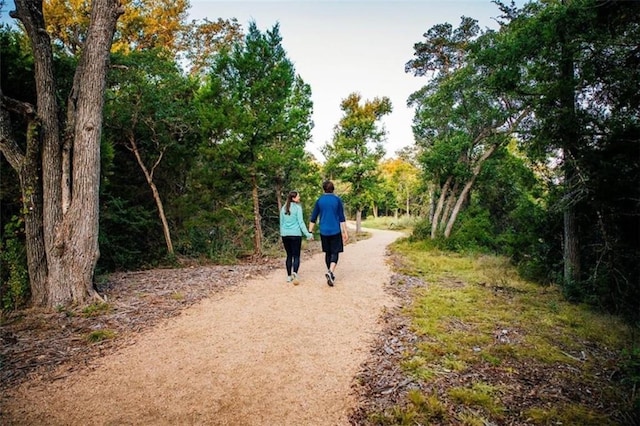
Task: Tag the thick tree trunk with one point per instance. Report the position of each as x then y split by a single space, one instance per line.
29 12
69 228
77 236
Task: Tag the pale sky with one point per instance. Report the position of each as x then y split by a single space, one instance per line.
341 47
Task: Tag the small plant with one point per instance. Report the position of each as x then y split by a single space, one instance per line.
567 415
100 335
96 309
63 310
421 410
177 295
480 395
630 369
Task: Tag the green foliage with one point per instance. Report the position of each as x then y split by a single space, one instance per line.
566 70
129 236
16 72
255 116
149 116
356 148
630 372
14 277
216 231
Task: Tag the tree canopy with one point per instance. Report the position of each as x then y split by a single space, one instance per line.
357 147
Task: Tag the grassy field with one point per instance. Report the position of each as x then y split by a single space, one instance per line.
494 349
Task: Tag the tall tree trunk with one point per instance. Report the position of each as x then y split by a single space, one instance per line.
436 215
279 194
358 220
27 166
448 207
465 190
257 238
69 236
569 137
571 252
408 204
29 12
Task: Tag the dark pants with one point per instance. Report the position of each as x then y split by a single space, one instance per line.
331 246
292 246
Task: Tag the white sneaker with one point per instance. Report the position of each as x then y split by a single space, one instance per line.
330 278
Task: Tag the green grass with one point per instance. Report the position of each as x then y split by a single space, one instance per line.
96 309
100 335
402 223
477 318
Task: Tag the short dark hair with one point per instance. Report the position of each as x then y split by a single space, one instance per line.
327 186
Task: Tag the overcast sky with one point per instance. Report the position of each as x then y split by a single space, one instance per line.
341 47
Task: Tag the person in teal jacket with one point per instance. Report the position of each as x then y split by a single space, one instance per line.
292 228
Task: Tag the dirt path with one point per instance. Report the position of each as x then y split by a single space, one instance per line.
267 353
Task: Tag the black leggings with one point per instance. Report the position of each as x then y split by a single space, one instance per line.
330 258
292 246
332 246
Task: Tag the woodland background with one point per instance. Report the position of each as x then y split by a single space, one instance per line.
526 145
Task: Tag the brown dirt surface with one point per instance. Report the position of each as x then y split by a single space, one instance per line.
223 345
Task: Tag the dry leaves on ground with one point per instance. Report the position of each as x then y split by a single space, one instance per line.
37 342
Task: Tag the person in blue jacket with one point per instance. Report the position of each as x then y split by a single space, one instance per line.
292 228
333 228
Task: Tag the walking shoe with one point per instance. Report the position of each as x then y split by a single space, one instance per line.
296 280
330 278
289 279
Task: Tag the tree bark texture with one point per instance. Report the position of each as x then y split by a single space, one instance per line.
569 136
257 237
27 166
69 188
435 220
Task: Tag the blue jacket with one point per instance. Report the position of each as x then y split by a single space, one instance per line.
331 211
292 225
